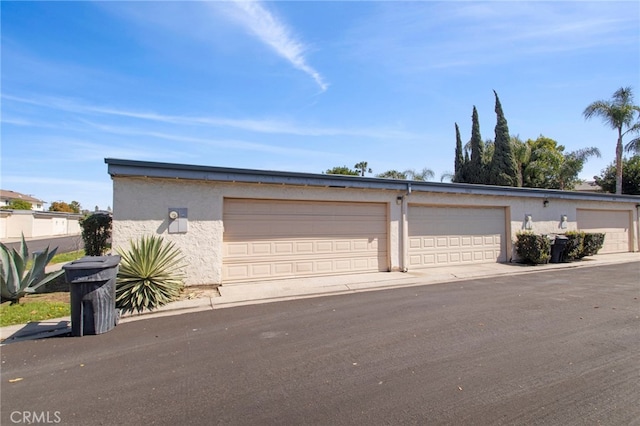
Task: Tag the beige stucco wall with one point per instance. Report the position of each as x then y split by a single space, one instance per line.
43 225
545 219
3 224
20 222
141 207
73 226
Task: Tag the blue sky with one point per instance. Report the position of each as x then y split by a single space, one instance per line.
296 86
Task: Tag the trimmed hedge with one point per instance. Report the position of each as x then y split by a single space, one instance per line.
582 244
575 245
592 244
536 249
532 248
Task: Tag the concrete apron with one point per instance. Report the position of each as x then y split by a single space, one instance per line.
249 293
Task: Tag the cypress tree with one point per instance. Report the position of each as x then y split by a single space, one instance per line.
476 168
503 169
459 161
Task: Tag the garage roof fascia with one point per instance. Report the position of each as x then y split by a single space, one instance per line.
148 169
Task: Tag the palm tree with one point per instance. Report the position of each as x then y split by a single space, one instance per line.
392 174
422 175
572 165
619 113
633 146
447 176
362 168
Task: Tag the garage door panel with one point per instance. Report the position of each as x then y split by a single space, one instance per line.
614 224
239 250
286 238
455 235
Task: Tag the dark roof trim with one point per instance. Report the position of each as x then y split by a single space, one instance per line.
118 167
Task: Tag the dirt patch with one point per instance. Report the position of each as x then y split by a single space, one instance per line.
58 291
57 296
196 292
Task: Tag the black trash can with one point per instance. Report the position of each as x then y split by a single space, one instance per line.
558 247
92 284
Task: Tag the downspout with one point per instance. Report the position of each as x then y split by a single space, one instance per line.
404 228
637 245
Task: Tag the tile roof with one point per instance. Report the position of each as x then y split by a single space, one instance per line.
12 195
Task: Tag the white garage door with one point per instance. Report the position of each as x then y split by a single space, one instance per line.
267 239
441 236
614 224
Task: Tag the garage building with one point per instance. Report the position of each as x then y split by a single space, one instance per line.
240 225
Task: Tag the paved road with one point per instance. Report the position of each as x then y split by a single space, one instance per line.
556 348
65 244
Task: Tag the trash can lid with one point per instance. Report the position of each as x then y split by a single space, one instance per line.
93 262
561 237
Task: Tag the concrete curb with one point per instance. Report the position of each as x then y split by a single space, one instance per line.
292 289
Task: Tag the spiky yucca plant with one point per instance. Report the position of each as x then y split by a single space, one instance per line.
16 280
149 275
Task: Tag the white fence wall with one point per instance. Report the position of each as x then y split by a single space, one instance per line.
35 224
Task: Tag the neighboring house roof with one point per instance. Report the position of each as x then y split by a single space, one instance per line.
12 195
589 186
118 167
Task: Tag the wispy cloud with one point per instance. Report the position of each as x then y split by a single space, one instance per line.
217 143
269 126
82 183
273 32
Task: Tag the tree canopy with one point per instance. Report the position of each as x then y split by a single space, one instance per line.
342 170
459 159
508 161
409 174
392 174
622 115
491 162
502 169
550 167
630 177
19 205
61 206
362 168
475 171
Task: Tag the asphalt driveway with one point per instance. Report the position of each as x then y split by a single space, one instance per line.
557 347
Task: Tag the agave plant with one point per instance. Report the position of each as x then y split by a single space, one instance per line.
149 275
16 279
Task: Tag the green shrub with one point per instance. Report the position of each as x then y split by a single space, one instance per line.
149 275
593 242
16 278
575 245
19 205
533 248
96 231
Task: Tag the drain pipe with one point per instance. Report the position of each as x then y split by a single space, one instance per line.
404 229
637 248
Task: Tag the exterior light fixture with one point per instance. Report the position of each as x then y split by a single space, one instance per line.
545 203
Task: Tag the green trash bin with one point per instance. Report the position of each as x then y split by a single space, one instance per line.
92 287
